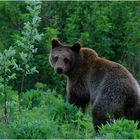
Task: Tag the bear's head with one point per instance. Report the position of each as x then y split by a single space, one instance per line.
63 57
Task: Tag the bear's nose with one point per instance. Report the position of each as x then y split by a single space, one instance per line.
59 70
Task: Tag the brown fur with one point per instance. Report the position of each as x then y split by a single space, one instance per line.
109 86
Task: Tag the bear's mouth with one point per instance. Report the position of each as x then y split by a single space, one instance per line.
59 70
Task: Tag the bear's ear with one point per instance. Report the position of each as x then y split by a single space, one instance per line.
55 43
76 47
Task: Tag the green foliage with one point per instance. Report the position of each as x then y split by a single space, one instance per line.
46 115
40 86
7 63
120 129
110 28
29 37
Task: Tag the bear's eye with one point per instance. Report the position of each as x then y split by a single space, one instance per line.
66 60
56 58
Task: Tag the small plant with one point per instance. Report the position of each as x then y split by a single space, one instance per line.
40 86
120 129
7 64
27 40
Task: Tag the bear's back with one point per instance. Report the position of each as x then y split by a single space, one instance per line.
107 75
114 80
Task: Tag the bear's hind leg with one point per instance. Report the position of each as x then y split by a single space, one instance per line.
103 112
98 119
133 113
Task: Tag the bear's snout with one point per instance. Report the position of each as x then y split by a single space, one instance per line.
59 70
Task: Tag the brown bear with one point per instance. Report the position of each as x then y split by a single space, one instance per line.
108 86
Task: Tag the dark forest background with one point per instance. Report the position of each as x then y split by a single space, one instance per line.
110 28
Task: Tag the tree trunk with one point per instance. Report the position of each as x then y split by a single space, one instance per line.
5 100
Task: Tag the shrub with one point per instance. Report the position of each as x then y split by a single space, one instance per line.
46 115
40 86
120 129
37 124
58 109
33 128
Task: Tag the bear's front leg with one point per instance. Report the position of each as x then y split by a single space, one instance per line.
78 102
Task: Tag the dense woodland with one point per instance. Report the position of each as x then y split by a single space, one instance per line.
32 95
